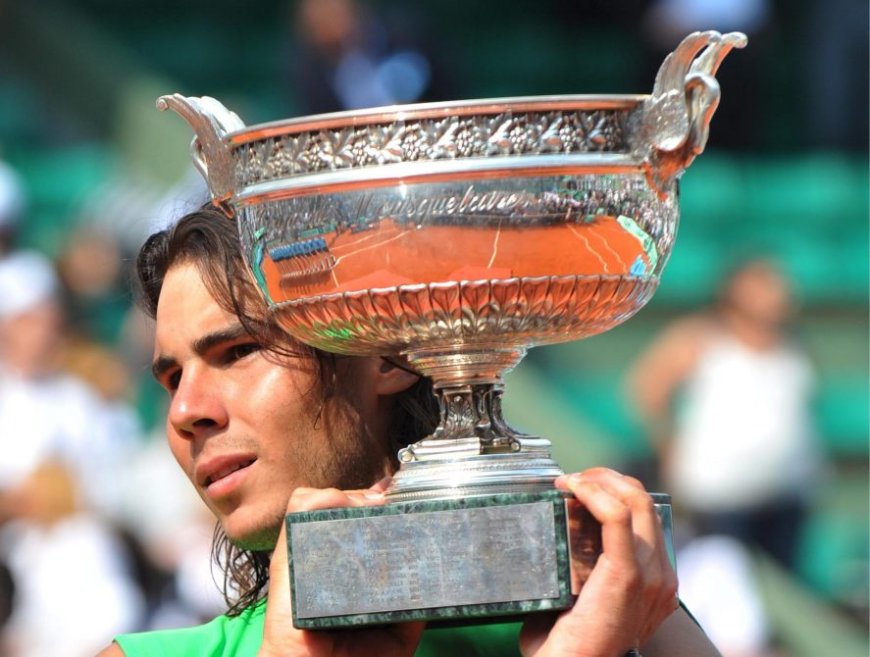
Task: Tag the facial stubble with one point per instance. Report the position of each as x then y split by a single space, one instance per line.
349 457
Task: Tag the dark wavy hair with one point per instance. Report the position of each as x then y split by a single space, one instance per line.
209 238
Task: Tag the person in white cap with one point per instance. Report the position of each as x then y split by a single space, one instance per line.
56 439
45 413
30 321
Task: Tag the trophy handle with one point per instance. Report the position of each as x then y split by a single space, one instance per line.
676 117
211 123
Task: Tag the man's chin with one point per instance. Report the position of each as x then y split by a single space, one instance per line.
257 539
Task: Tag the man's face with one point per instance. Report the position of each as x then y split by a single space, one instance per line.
762 294
248 429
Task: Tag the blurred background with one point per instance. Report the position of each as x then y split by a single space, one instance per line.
88 169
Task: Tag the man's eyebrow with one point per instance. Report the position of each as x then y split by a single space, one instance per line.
205 343
201 346
160 365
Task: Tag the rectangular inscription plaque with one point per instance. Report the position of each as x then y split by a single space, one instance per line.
481 556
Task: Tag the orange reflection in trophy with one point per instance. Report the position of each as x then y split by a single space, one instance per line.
386 253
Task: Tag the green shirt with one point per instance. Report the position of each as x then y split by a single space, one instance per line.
240 636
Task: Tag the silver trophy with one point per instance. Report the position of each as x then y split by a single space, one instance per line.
458 235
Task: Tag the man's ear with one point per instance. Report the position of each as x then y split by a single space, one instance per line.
392 378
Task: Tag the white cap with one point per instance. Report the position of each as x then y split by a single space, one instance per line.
27 278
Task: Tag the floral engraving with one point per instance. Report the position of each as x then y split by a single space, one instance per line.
504 134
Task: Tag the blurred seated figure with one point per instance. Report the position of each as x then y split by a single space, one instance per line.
348 57
718 583
73 586
90 267
174 531
46 413
726 396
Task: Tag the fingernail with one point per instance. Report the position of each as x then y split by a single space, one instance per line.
372 495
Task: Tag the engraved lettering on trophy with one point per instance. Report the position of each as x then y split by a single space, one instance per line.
369 565
420 208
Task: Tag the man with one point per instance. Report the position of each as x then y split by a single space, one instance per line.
263 426
739 449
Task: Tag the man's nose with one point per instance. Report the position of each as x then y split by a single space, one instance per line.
197 406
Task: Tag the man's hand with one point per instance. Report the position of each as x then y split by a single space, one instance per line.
280 638
632 588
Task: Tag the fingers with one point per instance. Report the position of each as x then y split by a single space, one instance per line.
631 528
313 499
382 485
634 551
620 500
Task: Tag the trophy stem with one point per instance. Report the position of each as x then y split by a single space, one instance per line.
473 450
471 422
468 385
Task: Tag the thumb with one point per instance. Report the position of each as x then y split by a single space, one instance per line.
279 611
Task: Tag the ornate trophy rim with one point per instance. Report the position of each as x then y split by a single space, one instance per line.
661 132
434 110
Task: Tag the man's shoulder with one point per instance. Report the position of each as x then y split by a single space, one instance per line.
695 327
223 636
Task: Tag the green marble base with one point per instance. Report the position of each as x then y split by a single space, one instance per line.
472 558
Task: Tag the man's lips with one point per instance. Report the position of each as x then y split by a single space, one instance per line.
220 467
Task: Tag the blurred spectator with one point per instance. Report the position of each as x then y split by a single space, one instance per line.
738 452
73 586
349 57
45 413
90 266
174 530
718 584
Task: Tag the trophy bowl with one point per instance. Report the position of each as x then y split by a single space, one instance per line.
460 234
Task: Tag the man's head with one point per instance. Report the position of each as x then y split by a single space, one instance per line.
758 291
254 414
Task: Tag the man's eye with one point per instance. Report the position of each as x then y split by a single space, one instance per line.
239 351
172 381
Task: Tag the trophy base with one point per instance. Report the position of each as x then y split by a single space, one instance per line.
468 559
